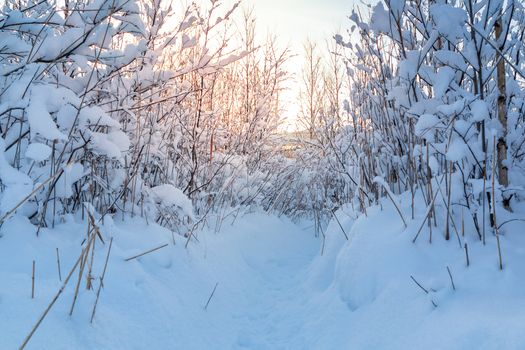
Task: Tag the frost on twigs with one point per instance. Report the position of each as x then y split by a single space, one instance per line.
429 89
136 107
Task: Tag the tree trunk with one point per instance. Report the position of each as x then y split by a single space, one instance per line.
502 112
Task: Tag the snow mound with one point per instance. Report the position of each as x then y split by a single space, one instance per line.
372 299
170 196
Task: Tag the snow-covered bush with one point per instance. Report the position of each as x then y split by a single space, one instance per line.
437 104
55 63
112 102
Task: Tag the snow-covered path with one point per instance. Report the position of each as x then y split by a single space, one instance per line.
260 264
274 289
275 296
265 314
157 302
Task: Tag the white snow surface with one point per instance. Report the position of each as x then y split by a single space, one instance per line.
168 195
38 151
275 290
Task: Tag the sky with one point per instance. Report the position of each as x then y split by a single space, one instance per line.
293 22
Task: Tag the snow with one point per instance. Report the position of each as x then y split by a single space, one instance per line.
277 286
40 121
480 111
372 302
221 274
188 42
103 144
396 7
443 78
425 124
72 173
451 59
120 139
157 301
38 151
96 116
408 67
451 109
17 184
168 195
457 150
380 19
449 21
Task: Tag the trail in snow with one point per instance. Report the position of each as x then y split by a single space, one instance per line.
157 301
275 297
275 291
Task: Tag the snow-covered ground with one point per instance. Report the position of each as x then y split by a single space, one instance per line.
157 301
372 302
274 290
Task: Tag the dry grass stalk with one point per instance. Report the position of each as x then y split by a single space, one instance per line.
101 281
427 217
55 298
466 254
146 252
211 296
33 282
391 197
451 279
58 266
26 198
494 207
340 226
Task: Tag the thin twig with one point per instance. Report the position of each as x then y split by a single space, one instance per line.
92 233
101 281
419 285
494 206
466 254
211 296
33 282
58 265
429 209
391 196
451 279
340 226
26 198
424 290
506 222
57 295
146 252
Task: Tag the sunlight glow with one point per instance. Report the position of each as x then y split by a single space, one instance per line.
293 22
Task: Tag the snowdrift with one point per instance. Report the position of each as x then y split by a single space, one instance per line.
269 284
156 301
378 290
